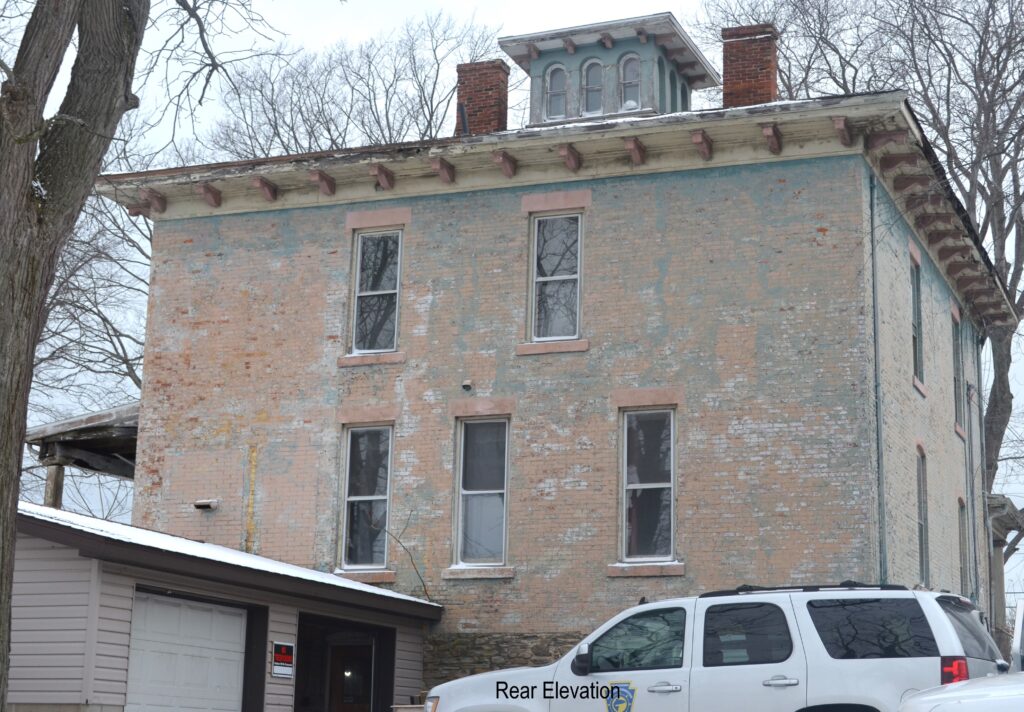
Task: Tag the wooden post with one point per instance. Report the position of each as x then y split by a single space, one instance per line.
53 496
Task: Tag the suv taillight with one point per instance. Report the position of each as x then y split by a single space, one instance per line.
954 669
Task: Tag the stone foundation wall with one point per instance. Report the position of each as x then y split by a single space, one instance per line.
454 655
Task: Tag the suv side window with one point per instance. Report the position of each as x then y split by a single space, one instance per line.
970 629
857 628
646 641
746 634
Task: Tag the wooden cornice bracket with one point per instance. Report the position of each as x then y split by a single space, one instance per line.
641 35
444 170
532 49
694 78
703 143
572 158
938 237
955 268
210 195
929 219
924 200
904 183
843 130
684 67
324 182
138 209
637 151
157 201
607 40
385 178
892 161
884 138
509 166
267 189
569 45
970 281
773 137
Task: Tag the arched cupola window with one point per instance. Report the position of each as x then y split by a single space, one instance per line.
593 87
629 83
554 93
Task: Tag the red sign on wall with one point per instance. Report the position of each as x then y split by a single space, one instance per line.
283 663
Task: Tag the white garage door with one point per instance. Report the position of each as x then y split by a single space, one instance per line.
184 655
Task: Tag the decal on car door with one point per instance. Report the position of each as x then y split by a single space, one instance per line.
621 697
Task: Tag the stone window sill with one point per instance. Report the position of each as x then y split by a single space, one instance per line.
668 568
920 388
960 432
553 347
389 357
368 576
482 572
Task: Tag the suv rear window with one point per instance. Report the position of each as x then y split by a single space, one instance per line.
970 629
858 628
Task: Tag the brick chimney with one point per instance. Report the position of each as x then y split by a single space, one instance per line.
483 98
750 63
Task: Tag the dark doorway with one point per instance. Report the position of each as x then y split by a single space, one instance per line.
343 666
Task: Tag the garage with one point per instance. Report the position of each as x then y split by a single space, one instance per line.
185 655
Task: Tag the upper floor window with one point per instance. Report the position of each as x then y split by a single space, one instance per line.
629 83
376 308
366 497
958 374
554 100
556 277
917 335
482 480
648 481
593 87
922 519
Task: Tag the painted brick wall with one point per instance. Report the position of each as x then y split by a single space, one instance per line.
914 417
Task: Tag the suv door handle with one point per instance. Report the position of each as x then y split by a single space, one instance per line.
665 687
780 681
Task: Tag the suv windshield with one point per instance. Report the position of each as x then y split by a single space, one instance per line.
970 629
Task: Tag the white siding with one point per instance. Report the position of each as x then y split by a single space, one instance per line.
408 664
109 671
49 621
282 627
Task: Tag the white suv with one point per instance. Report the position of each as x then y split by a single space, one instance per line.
845 648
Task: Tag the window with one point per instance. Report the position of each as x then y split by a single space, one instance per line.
970 628
965 559
482 491
629 83
746 634
593 87
958 374
366 497
647 641
922 518
917 334
376 318
554 102
556 277
861 628
648 477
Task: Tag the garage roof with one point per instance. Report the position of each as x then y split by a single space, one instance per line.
121 543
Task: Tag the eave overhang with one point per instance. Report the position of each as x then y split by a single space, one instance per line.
880 127
661 28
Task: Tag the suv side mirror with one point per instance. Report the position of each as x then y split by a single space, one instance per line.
581 663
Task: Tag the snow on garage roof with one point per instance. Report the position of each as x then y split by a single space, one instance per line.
210 552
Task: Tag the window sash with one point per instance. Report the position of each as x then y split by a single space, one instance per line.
550 93
922 520
464 494
916 336
629 487
538 279
593 90
350 499
958 375
362 295
965 559
629 89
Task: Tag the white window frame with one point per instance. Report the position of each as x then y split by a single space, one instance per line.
923 543
397 291
917 320
534 279
584 87
345 565
548 92
622 81
460 509
627 488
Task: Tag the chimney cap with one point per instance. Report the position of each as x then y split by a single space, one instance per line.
746 32
496 63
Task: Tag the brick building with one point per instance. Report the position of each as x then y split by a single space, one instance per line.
629 350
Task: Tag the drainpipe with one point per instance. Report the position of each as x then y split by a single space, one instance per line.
883 546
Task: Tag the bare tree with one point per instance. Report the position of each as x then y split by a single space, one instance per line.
962 61
396 88
48 164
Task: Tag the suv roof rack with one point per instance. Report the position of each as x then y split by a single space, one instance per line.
747 588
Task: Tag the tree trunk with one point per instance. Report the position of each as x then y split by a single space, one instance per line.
1000 402
47 168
